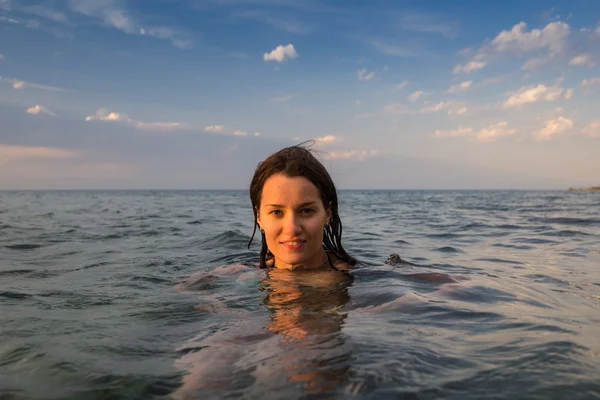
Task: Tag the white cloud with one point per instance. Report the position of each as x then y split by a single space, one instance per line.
364 75
470 66
592 129
582 60
429 23
103 115
394 50
416 95
552 39
214 128
37 109
280 53
9 153
328 139
401 85
495 131
534 94
536 62
586 83
239 133
359 155
460 111
453 107
442 105
45 12
460 132
397 109
157 125
113 15
256 133
569 94
461 87
554 127
17 84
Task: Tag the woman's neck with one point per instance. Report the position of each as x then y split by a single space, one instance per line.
317 262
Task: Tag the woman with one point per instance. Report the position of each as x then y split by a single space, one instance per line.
297 339
295 206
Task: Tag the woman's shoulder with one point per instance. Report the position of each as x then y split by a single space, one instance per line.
338 263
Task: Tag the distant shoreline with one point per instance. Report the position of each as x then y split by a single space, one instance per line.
593 188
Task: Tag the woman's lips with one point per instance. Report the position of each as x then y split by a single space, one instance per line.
293 244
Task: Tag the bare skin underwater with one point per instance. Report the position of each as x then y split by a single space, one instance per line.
302 327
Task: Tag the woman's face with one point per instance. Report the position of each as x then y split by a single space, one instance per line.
292 216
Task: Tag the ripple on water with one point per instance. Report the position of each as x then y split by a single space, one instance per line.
23 246
448 249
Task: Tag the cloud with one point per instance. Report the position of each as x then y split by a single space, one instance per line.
37 109
460 111
429 23
277 21
1 57
416 95
10 153
17 84
470 66
552 39
582 60
569 94
397 109
554 127
394 50
495 131
113 15
534 94
45 12
214 128
587 83
460 132
328 139
239 133
592 129
157 125
280 53
461 87
535 63
103 115
359 155
442 105
401 85
364 75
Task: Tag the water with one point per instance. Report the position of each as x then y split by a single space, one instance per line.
119 295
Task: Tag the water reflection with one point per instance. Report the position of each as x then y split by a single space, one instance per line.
297 344
306 313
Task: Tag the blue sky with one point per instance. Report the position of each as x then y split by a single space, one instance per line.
402 95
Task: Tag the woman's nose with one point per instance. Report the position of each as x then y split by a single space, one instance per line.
292 225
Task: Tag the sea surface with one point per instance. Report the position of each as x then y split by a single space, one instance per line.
155 294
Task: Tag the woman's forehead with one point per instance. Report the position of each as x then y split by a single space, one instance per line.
284 190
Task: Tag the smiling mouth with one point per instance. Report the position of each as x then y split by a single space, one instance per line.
293 242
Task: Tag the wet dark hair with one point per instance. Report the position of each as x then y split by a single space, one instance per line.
292 162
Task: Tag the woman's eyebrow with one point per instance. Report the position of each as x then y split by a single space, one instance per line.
308 203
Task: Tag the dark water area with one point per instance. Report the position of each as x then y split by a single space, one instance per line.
144 295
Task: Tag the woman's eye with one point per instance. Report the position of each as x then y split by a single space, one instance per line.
307 211
276 213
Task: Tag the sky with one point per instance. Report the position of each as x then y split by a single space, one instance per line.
192 94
